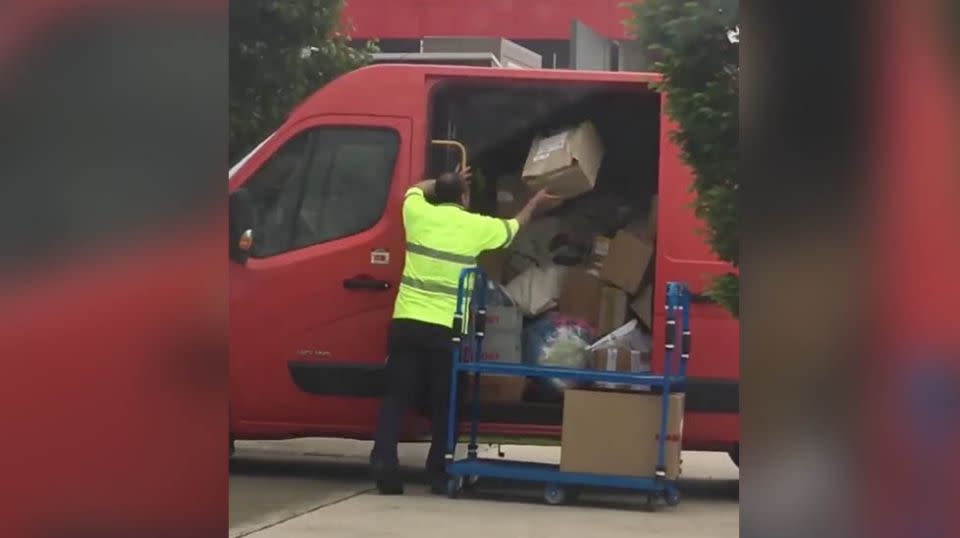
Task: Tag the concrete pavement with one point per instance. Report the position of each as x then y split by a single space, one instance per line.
319 487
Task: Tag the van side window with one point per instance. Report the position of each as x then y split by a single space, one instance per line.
323 184
347 184
275 191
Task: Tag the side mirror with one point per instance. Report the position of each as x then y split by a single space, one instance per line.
241 226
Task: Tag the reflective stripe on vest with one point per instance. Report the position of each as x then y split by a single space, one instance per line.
425 285
442 255
509 234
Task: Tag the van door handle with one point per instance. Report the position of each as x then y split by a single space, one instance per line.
366 283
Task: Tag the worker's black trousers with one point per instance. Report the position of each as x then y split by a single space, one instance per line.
419 360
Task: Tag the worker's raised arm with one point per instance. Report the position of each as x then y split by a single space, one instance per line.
493 233
415 199
541 200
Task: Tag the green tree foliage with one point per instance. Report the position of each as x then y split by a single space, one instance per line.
689 43
280 52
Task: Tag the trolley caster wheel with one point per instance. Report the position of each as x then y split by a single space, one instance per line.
671 497
554 494
454 486
470 482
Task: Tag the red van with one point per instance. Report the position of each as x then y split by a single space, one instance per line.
311 300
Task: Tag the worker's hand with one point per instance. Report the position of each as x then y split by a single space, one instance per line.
544 201
464 174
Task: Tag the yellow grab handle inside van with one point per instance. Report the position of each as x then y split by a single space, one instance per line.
458 145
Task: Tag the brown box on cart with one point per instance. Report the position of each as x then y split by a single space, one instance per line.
567 163
607 432
626 265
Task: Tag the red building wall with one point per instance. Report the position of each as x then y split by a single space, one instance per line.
513 19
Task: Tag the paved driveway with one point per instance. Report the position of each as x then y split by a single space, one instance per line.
319 487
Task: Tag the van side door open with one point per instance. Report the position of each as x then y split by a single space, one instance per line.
318 286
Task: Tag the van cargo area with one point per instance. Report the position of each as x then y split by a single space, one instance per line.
497 122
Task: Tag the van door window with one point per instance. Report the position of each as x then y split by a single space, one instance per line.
275 192
323 184
347 183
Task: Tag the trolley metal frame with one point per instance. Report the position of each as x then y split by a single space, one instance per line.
469 326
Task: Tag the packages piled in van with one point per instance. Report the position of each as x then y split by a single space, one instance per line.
586 265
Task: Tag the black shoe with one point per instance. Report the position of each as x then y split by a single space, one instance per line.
390 487
387 478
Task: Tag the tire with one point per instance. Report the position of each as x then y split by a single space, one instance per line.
454 486
735 455
671 497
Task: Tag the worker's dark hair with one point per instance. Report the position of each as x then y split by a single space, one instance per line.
449 188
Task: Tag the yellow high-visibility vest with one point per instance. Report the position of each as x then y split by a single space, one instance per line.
442 240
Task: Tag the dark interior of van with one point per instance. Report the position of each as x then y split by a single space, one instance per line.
497 121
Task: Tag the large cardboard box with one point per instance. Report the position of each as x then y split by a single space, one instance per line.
616 433
613 309
642 306
566 163
626 264
497 388
580 296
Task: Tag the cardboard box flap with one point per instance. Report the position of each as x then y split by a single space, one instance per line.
587 149
642 306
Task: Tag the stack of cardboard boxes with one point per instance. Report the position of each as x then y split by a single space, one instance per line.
609 286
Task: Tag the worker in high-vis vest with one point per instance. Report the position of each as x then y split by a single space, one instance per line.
442 238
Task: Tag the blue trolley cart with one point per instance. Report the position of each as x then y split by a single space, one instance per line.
560 486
